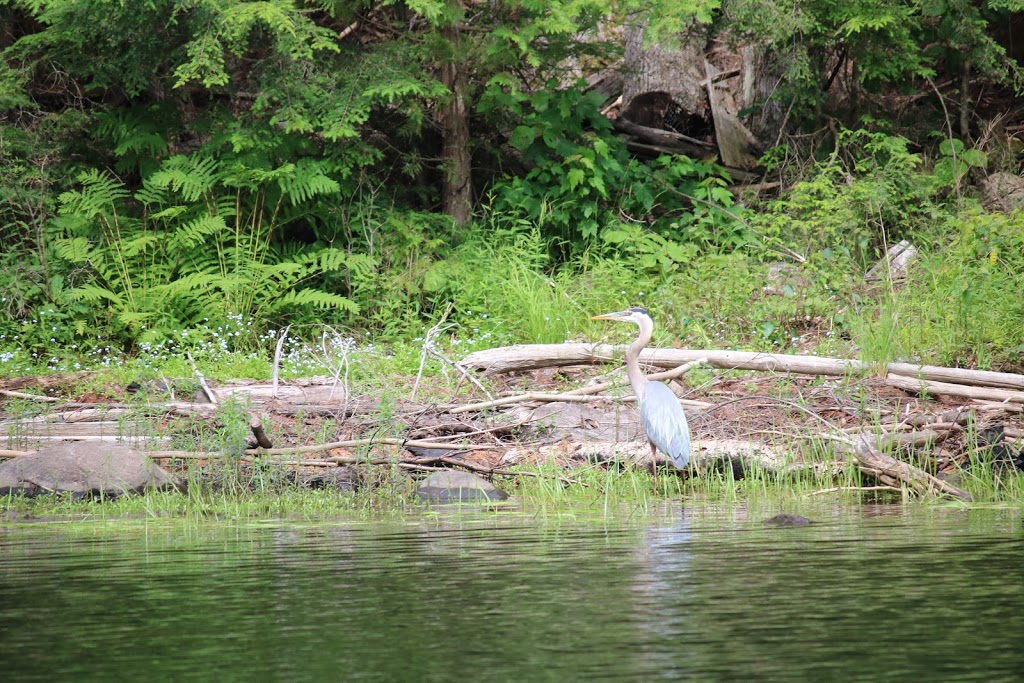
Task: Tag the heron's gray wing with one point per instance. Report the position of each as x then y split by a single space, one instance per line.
665 423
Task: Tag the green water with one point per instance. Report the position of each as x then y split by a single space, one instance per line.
870 593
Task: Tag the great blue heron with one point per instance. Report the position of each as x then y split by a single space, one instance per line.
663 417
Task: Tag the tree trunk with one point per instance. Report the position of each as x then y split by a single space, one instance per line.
457 188
662 84
706 88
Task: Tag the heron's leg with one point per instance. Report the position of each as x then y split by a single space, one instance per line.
654 466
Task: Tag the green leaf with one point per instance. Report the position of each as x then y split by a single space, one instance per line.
951 146
522 137
975 157
575 177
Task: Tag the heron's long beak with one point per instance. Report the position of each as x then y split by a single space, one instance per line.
610 316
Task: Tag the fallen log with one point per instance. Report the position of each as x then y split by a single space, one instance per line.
29 397
524 357
893 472
920 386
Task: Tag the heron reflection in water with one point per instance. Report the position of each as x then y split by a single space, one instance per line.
663 418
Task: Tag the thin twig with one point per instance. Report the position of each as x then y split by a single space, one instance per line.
428 342
31 397
528 397
667 374
202 380
854 488
462 435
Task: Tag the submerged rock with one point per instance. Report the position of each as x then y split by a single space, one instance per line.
788 520
456 486
83 469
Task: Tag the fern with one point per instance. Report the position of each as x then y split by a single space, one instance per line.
306 181
99 193
198 240
191 177
91 293
192 233
316 299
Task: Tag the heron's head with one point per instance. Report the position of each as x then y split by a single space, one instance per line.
635 315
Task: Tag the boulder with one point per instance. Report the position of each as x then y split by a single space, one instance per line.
1002 192
84 469
343 479
456 486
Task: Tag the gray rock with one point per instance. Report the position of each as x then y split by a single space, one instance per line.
84 469
343 479
1002 192
456 486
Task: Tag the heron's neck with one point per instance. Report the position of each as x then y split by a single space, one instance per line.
637 379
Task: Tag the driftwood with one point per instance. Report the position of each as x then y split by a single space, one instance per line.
581 395
866 450
893 472
894 265
30 397
524 357
256 425
920 386
752 454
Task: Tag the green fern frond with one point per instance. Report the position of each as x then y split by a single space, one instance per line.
136 130
133 246
190 176
100 191
152 195
94 294
330 260
168 213
74 249
361 265
314 298
306 181
195 232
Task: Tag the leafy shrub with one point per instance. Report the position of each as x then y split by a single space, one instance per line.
866 194
581 180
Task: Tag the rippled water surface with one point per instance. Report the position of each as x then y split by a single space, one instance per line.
866 593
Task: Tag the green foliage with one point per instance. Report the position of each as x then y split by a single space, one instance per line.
964 306
280 161
198 240
581 180
864 195
956 161
165 43
884 42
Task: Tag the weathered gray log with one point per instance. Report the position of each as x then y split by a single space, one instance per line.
910 440
658 136
893 472
524 357
920 386
894 265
